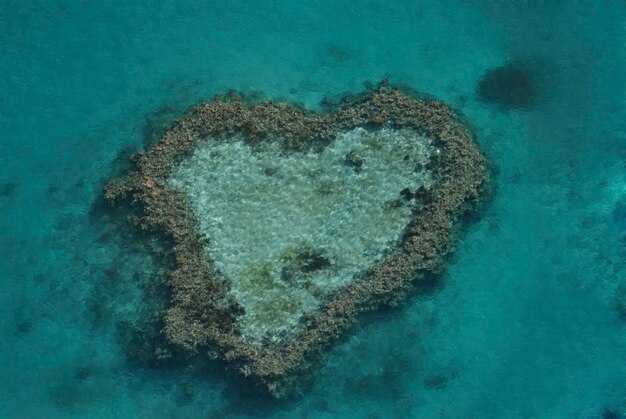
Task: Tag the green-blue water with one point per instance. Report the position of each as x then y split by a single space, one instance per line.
526 322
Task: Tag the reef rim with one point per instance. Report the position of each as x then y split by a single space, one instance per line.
202 316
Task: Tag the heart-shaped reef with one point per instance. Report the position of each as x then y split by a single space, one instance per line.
285 225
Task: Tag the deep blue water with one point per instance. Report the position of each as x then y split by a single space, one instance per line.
527 320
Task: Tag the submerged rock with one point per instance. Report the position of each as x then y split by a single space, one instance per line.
7 190
510 86
273 265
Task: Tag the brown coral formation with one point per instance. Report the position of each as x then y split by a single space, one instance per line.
202 316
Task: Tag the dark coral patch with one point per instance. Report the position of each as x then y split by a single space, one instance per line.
354 160
298 263
510 86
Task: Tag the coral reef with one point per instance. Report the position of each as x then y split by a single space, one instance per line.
204 314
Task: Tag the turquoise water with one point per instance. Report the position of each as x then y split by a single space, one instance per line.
526 322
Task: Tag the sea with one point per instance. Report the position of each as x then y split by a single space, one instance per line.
529 319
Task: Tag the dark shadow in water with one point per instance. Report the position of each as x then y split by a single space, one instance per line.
7 190
619 300
385 384
510 86
609 413
246 398
619 213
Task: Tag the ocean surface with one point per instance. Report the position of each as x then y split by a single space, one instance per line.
529 320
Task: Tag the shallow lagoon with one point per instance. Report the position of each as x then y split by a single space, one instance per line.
524 324
287 229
